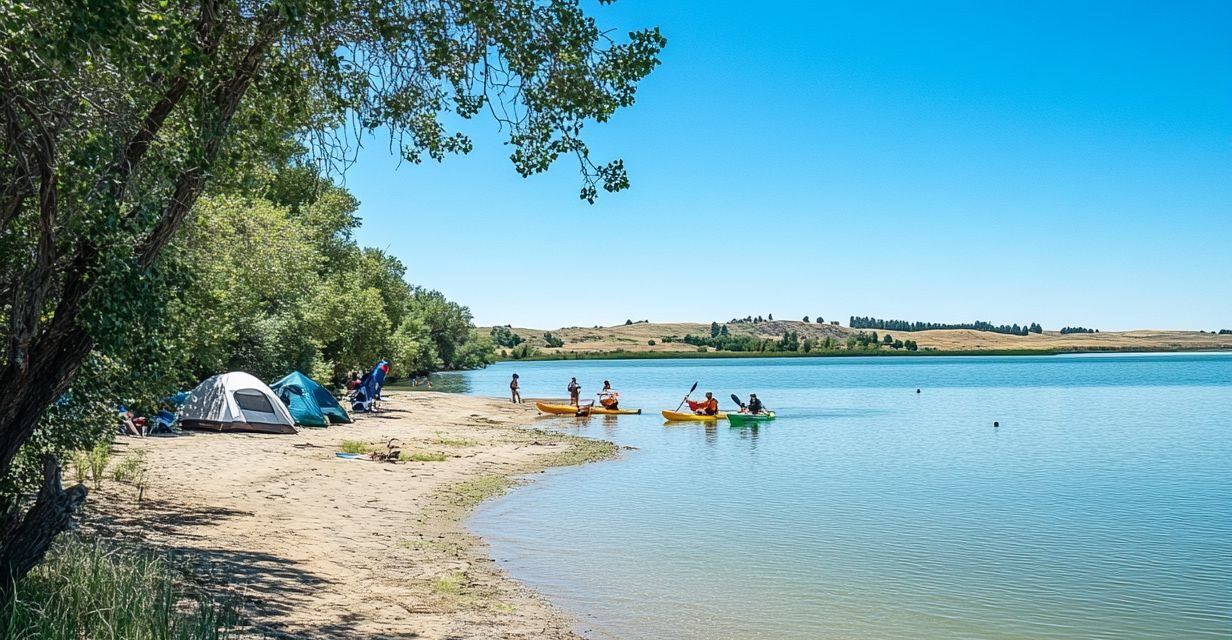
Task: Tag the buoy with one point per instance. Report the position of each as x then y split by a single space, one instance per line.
996 424
917 390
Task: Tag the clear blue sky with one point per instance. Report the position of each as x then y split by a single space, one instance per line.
1055 162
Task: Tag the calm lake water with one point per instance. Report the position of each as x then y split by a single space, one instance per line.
1101 507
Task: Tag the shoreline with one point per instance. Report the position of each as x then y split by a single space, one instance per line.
699 355
317 546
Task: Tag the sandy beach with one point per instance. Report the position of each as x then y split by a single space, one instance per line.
323 547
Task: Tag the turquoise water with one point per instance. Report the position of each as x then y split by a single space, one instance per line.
1101 507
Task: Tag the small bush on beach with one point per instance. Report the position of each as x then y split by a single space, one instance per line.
131 468
91 590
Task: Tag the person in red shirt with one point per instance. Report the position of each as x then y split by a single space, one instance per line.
707 407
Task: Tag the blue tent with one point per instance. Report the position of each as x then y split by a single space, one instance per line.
311 404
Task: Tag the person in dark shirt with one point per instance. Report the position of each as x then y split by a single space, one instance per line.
755 406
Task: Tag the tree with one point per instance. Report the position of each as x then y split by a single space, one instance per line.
723 332
821 320
505 337
888 339
806 319
116 117
552 341
714 329
770 317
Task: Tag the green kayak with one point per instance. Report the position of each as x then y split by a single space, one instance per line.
746 419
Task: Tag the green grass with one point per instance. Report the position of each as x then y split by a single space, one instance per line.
357 446
410 456
446 441
92 590
472 492
131 468
452 584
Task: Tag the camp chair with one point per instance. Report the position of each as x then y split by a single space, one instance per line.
163 422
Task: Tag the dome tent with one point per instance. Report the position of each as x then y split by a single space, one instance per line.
311 405
235 401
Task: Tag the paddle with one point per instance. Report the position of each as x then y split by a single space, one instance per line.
736 399
686 396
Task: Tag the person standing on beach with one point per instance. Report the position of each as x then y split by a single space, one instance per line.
513 390
575 391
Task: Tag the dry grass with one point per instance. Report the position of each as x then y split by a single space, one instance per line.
635 338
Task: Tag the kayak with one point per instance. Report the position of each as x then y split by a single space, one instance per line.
562 409
604 411
688 416
745 419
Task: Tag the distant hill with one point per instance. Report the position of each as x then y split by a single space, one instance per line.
666 337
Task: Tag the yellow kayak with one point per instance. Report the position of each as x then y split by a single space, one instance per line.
604 411
689 416
561 409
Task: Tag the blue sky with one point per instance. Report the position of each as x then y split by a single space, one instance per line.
1062 163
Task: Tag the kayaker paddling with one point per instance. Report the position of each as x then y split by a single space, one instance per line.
608 398
707 407
754 407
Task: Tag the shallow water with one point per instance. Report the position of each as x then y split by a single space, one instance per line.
1100 508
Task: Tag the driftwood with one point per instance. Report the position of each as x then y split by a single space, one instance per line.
390 454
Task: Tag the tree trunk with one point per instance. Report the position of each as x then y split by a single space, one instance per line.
26 539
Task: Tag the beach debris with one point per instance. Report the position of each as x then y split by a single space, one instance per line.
390 454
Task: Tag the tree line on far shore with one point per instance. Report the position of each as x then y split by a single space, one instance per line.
867 322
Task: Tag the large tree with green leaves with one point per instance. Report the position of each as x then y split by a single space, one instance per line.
117 115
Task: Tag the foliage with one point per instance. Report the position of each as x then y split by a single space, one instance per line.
806 319
524 350
91 590
131 468
552 341
650 342
864 322
1069 330
116 118
505 337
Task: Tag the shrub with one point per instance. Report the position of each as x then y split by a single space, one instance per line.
131 468
650 342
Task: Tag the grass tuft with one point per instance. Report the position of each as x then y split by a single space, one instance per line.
131 468
356 446
446 441
408 456
92 590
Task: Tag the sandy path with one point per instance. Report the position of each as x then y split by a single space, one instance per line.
328 548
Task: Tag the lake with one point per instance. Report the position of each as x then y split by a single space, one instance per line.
1100 508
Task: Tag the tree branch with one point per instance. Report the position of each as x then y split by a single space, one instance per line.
225 100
